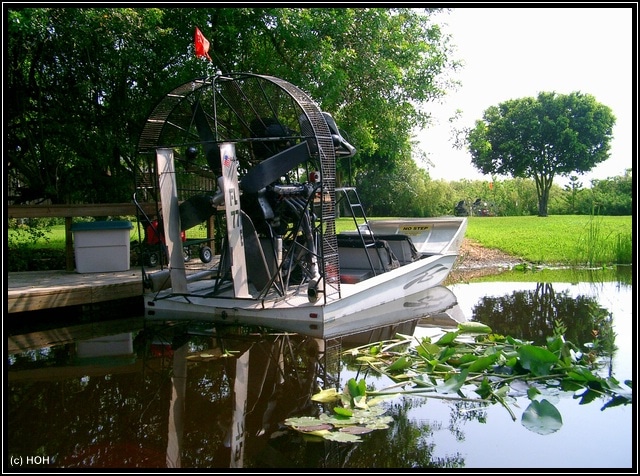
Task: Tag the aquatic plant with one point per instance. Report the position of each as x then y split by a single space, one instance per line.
469 360
356 414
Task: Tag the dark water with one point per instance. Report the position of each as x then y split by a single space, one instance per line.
191 396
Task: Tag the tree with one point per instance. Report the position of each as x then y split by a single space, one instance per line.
396 191
611 196
542 137
76 94
80 82
573 187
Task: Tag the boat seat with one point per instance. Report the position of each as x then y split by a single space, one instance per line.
354 264
402 247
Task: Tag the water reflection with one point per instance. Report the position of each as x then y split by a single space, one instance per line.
193 396
583 317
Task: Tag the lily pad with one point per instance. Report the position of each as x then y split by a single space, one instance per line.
542 417
326 396
372 412
301 421
356 430
342 437
313 428
379 424
454 383
537 359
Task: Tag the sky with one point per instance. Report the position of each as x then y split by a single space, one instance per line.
511 53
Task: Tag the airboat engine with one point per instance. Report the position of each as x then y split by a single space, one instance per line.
285 152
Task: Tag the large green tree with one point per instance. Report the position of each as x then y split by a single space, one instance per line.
539 138
80 82
76 91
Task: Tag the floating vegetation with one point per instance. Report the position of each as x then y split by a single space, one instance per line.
356 414
470 363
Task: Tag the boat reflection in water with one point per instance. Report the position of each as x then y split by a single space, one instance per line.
272 376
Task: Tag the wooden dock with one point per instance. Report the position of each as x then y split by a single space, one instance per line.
37 290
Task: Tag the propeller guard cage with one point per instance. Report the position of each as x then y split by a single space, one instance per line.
268 119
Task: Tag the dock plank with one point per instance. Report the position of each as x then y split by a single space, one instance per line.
37 290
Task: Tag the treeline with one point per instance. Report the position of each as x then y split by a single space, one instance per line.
414 194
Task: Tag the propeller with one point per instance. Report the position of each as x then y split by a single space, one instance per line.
195 210
206 136
271 169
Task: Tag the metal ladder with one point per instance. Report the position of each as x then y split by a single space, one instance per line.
350 194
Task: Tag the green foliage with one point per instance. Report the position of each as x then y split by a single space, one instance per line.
611 196
408 191
471 358
27 241
527 273
372 68
600 244
28 232
512 197
542 137
572 188
404 190
74 78
80 82
39 244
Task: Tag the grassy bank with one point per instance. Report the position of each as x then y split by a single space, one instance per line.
560 239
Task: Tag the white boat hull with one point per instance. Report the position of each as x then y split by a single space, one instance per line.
429 235
405 293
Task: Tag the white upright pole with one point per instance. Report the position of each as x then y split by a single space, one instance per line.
171 219
234 219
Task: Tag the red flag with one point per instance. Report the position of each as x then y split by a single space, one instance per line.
202 45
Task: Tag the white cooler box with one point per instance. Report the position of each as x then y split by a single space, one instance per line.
102 246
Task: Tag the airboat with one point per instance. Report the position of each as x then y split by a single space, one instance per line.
270 154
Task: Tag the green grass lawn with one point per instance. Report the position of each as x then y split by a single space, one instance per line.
566 239
55 238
